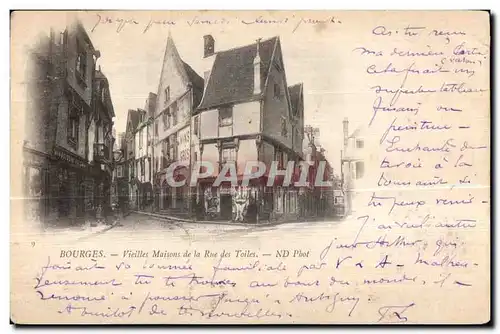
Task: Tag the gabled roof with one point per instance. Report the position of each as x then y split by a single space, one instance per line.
189 75
296 96
100 76
145 119
134 116
232 76
357 133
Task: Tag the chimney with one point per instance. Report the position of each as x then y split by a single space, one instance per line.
151 104
256 70
208 46
346 131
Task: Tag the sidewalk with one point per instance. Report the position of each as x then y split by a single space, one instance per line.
78 233
194 221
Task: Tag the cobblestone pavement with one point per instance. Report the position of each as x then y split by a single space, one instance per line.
137 227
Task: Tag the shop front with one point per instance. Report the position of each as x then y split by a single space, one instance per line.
35 186
146 196
134 194
67 189
229 203
171 197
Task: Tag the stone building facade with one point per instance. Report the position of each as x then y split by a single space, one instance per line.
62 85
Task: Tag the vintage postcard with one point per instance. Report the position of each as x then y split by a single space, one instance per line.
245 167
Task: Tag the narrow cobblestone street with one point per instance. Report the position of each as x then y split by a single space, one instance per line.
138 227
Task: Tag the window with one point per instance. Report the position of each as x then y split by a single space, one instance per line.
228 155
166 121
140 138
293 202
279 199
172 147
103 94
156 128
81 61
167 95
277 91
173 111
225 116
280 158
132 169
164 147
284 128
360 143
119 172
73 128
142 167
171 153
360 169
164 153
196 126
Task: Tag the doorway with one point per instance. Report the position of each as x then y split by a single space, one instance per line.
226 206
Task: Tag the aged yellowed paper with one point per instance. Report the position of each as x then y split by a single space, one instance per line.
250 167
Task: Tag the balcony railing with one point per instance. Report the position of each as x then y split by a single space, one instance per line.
101 153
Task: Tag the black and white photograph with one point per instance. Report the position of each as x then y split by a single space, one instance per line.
250 167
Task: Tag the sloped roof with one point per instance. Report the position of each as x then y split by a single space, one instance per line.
134 117
296 95
196 81
356 133
232 76
100 76
187 71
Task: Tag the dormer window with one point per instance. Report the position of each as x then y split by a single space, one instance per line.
226 116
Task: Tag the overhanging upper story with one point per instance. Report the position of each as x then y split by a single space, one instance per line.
247 94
